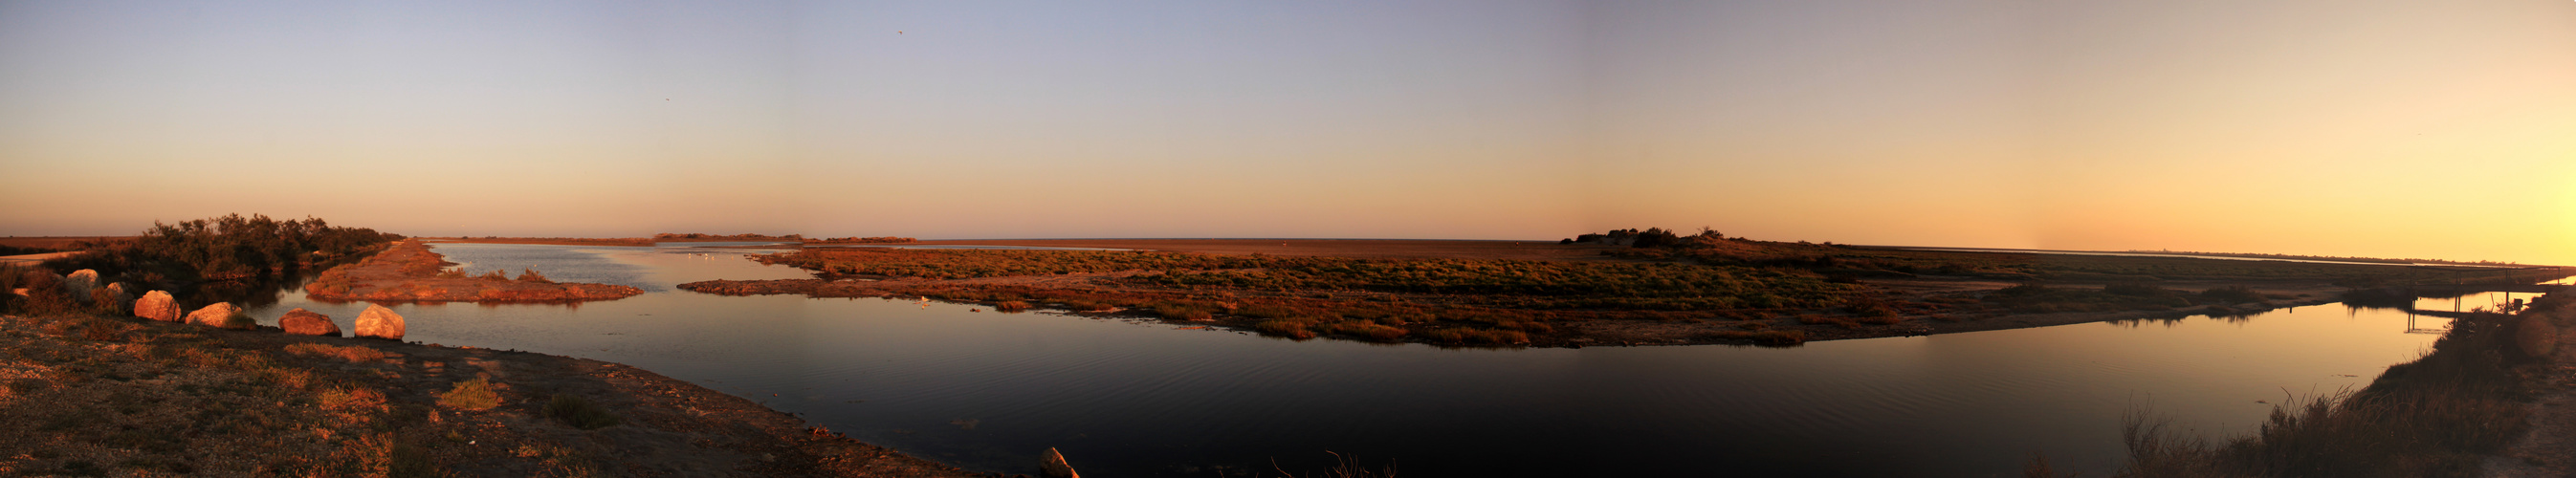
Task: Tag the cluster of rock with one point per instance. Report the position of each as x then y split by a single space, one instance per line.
376 322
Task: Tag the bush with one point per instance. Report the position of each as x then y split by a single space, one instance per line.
496 274
473 394
531 275
579 413
1011 306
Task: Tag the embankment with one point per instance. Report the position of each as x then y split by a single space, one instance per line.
100 396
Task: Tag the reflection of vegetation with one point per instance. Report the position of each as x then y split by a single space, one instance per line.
2437 416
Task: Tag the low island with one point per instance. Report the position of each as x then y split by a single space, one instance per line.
408 272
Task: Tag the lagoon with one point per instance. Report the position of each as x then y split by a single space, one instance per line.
990 391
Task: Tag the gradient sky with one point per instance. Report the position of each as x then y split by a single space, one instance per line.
2357 127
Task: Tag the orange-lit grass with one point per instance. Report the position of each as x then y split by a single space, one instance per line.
476 394
344 352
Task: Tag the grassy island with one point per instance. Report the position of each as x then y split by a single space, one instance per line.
1625 287
408 271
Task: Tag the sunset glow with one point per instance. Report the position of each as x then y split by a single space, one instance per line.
2383 129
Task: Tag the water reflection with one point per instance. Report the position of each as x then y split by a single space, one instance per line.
989 391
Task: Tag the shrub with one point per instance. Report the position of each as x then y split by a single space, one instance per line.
452 273
1011 306
531 275
496 274
579 413
473 394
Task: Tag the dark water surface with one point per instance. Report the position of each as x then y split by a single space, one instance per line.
990 391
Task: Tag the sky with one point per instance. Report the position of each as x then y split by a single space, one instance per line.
2349 128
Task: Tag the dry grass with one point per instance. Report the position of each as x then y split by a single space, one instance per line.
350 353
476 394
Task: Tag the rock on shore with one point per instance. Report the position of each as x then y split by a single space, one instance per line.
380 322
157 305
306 322
220 315
80 283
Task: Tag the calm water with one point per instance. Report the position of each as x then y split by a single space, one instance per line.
990 391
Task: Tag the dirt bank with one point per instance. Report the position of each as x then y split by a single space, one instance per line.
408 272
